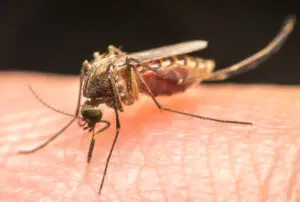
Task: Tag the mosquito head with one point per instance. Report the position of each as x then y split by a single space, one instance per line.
91 113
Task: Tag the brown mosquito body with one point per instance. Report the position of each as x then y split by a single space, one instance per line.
116 79
181 72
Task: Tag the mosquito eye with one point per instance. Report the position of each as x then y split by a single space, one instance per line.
94 115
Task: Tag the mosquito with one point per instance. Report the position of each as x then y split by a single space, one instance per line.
116 78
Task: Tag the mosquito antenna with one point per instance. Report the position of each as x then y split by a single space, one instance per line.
46 104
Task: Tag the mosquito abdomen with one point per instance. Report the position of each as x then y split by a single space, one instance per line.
176 74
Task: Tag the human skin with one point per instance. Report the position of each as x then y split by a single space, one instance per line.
159 156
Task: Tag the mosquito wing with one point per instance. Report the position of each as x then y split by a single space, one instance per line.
170 50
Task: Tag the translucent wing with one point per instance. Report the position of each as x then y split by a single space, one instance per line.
170 50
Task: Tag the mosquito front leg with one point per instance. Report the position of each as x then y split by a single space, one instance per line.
118 126
117 97
131 86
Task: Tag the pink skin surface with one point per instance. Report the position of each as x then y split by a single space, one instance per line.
160 156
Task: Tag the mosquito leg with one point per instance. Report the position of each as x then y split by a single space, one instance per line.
118 126
117 96
179 112
131 86
91 149
66 126
259 57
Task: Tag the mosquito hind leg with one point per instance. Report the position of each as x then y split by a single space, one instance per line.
259 57
180 112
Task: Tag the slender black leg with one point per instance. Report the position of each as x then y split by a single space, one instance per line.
259 57
118 126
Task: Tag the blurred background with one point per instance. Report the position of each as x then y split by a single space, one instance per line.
56 36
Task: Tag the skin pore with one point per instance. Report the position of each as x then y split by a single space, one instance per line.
159 156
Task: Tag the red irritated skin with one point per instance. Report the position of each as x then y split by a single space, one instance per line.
159 156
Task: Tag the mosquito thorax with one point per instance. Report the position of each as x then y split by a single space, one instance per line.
91 113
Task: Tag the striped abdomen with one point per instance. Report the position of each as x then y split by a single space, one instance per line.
176 74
